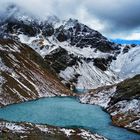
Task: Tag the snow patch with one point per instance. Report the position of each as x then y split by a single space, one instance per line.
89 76
68 132
89 136
127 64
101 98
127 106
13 127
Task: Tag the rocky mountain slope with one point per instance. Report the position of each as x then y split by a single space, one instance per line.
122 101
36 54
80 55
24 75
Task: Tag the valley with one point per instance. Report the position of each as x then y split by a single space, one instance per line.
64 80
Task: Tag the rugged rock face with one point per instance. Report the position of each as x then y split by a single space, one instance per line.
24 75
80 55
28 131
59 59
64 45
122 101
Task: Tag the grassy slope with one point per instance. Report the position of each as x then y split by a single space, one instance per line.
127 90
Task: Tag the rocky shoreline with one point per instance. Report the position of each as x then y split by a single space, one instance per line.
120 101
124 113
29 131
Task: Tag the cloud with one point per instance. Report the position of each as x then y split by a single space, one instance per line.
114 18
122 14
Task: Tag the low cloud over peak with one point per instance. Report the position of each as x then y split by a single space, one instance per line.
113 18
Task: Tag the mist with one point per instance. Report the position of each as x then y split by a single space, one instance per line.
113 18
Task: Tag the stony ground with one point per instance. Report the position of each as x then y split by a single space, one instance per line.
28 131
121 101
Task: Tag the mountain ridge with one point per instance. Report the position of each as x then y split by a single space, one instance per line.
24 75
57 54
72 36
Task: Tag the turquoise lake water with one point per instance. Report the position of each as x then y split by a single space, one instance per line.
66 112
80 90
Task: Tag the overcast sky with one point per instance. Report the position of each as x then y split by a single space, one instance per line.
113 18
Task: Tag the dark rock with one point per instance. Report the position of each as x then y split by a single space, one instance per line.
105 47
48 30
101 63
126 49
21 27
61 37
60 60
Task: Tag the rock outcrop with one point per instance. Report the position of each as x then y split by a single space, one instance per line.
121 101
28 131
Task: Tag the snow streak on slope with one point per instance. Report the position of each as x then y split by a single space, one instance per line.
24 75
89 76
127 64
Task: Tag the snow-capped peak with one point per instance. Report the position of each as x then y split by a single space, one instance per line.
79 54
